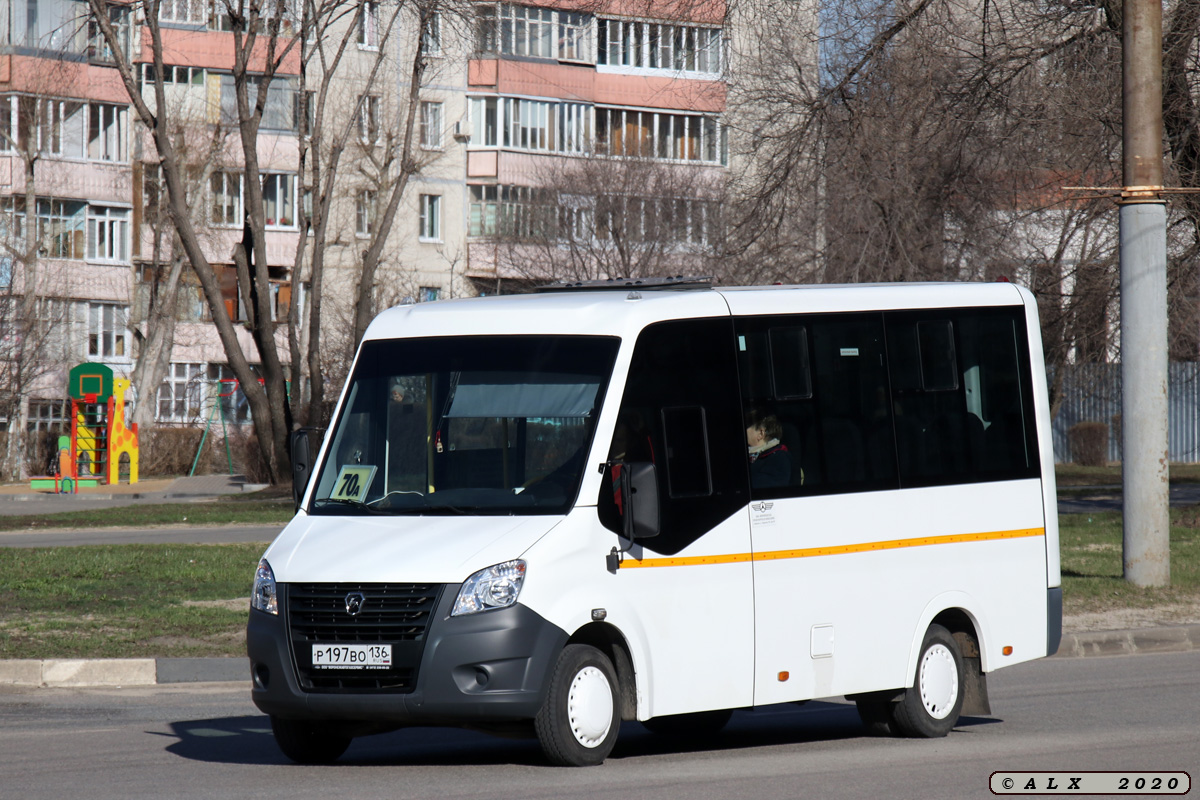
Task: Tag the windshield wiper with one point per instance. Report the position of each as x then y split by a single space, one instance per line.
356 504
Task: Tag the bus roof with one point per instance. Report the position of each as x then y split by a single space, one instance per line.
622 311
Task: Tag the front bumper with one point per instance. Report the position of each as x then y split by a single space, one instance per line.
488 667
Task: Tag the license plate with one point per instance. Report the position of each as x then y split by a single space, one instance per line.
351 656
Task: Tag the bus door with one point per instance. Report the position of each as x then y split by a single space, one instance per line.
693 583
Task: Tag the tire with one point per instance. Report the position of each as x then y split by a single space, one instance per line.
690 726
308 742
876 716
930 709
577 726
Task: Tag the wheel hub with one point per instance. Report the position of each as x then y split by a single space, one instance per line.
590 707
939 681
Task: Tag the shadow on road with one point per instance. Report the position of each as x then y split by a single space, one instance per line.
248 739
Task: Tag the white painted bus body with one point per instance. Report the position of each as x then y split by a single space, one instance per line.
786 599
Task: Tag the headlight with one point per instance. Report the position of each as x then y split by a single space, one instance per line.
494 587
264 597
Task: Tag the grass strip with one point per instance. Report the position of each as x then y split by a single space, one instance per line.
125 601
206 512
1068 475
1090 546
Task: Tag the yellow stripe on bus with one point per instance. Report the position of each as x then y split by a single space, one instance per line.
864 547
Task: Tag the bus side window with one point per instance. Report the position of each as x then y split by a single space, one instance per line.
681 411
961 396
823 377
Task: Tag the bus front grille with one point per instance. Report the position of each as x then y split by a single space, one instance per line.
396 614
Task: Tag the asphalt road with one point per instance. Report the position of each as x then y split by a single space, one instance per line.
208 741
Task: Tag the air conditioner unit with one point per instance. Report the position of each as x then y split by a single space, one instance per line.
460 135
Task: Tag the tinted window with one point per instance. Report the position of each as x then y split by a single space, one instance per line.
681 411
961 396
834 421
946 400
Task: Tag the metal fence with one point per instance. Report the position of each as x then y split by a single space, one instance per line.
1092 393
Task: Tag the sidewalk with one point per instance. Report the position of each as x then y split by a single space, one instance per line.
20 499
125 672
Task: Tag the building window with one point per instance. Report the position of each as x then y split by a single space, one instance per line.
431 218
108 234
97 45
174 75
279 113
8 125
364 212
181 394
431 125
106 330
187 12
650 45
54 328
674 137
431 36
484 206
368 119
221 21
486 41
61 228
368 24
279 200
106 132
483 121
48 416
555 127
226 196
430 293
537 32
56 127
574 40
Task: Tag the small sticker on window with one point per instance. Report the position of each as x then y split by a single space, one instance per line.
849 351
742 343
352 483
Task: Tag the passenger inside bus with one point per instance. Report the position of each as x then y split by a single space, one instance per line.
770 463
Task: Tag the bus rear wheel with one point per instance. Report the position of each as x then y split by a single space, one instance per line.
577 725
930 709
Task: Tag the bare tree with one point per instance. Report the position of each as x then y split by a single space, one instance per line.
606 217
262 43
346 114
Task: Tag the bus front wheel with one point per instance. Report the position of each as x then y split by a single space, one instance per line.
307 742
930 709
577 726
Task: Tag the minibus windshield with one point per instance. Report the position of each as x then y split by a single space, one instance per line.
465 425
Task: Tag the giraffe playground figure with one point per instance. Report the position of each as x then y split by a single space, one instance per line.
120 438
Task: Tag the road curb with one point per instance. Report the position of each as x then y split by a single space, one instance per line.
60 673
1172 639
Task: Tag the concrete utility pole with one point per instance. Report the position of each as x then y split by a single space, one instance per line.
1144 473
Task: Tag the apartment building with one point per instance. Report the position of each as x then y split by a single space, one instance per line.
553 139
597 138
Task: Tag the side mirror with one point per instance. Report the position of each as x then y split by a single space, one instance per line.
301 465
639 500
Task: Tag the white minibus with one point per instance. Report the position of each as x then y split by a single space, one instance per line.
664 500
